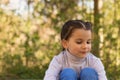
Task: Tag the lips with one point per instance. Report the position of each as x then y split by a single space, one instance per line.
83 52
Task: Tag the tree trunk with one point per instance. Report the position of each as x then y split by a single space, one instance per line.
96 41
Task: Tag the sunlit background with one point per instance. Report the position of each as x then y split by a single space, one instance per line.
30 34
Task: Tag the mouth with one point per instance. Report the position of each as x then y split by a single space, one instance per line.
83 52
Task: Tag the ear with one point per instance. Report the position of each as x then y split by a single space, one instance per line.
64 44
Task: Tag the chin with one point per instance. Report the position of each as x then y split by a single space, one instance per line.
83 56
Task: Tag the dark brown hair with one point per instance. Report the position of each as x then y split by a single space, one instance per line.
70 25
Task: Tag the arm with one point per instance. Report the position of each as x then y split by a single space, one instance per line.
98 66
53 71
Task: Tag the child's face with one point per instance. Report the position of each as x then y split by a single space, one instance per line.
79 43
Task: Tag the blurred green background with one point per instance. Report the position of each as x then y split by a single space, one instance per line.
30 34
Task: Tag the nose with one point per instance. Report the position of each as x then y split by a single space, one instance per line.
84 45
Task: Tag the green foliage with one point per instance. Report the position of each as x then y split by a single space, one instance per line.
27 44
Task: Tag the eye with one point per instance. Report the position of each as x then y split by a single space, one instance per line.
78 42
89 42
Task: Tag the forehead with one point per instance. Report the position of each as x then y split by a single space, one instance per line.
81 33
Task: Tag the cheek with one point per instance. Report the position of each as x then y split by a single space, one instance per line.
76 47
73 46
89 47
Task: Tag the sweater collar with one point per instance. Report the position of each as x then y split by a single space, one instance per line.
74 58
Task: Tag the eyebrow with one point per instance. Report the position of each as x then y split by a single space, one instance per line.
82 39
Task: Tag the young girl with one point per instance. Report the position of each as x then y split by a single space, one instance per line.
76 62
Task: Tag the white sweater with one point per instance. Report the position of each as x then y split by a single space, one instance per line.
66 60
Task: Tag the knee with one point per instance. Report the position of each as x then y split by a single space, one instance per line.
88 73
68 73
